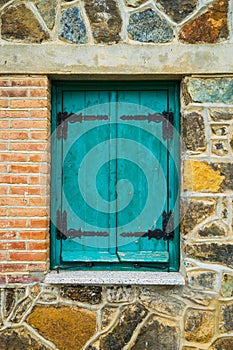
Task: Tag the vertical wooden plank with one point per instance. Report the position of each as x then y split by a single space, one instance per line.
83 158
56 178
113 174
173 179
148 155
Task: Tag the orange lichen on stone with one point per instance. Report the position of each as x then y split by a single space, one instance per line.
208 27
67 327
200 177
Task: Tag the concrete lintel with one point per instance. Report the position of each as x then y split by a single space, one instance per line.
147 59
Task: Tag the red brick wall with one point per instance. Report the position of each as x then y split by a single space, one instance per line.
24 180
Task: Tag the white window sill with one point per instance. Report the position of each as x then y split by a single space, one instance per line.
114 277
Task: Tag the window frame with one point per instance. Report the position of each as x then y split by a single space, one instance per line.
56 182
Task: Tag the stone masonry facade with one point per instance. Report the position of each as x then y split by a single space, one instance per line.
40 316
110 21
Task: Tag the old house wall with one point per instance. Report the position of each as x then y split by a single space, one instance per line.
190 41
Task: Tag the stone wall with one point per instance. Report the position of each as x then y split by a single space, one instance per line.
197 316
110 21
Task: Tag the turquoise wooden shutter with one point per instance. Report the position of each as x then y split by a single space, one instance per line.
88 212
115 161
147 149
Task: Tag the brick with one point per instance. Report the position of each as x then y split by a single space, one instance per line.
41 180
3 280
3 146
12 201
28 103
38 92
29 82
27 190
29 124
13 92
14 114
27 212
21 279
3 168
23 190
9 223
8 235
13 135
33 235
40 114
12 245
34 180
5 179
3 103
3 190
24 168
18 179
38 157
44 169
37 267
4 82
3 256
28 146
27 256
37 246
13 157
13 267
38 180
39 135
4 124
38 223
2 211
11 179
38 202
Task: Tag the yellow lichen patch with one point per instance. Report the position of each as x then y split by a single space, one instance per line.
200 177
67 327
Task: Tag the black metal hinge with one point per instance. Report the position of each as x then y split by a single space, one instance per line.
63 118
62 232
167 232
167 119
